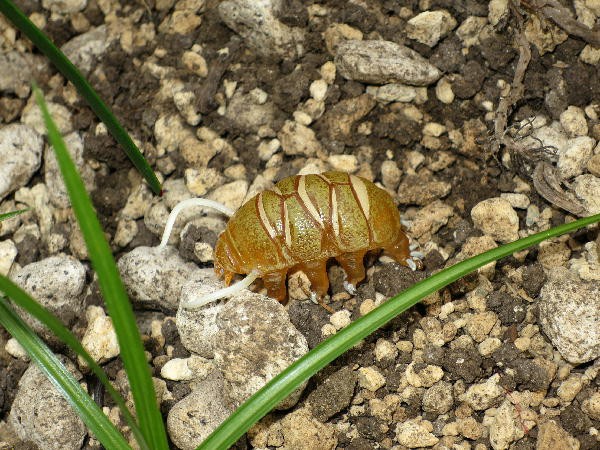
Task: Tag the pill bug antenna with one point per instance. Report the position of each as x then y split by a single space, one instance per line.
188 204
225 292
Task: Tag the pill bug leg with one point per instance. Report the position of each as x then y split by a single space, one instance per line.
400 251
353 265
316 272
275 284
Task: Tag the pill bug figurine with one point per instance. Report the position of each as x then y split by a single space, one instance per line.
299 225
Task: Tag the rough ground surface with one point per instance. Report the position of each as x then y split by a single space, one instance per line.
480 118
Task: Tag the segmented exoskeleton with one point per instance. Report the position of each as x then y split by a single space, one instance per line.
303 222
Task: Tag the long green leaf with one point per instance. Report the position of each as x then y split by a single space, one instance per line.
8 215
284 384
71 73
24 300
67 385
113 291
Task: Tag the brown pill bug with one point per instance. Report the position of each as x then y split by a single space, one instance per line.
300 224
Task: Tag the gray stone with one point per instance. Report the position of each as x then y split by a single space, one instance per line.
16 71
381 62
333 394
198 327
255 342
198 414
40 414
56 283
256 21
87 48
53 178
20 156
570 315
429 27
154 277
248 114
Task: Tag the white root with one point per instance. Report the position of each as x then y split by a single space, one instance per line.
225 292
187 204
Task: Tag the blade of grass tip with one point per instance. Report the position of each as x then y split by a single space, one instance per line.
284 384
24 300
113 291
89 412
71 73
10 214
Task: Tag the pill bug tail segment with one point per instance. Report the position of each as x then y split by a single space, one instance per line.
225 292
188 204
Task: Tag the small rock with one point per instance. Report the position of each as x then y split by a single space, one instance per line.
591 406
520 201
381 62
154 276
390 174
248 113
587 189
474 246
296 139
8 253
485 395
593 165
421 375
16 350
318 89
64 6
470 428
231 194
385 350
468 31
551 436
40 414
370 378
429 27
343 163
340 319
339 32
86 49
258 25
177 369
56 282
573 121
332 395
443 91
16 71
202 180
497 11
198 414
438 399
20 156
393 92
100 338
255 342
569 312
415 433
32 116
417 190
57 190
340 119
570 387
505 426
479 325
301 431
496 218
430 219
574 157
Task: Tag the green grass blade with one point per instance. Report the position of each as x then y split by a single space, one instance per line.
113 291
24 300
71 73
283 384
89 412
8 215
